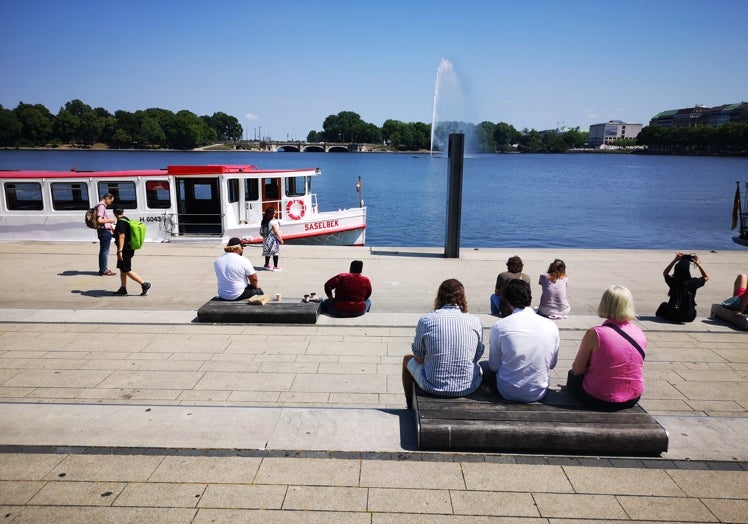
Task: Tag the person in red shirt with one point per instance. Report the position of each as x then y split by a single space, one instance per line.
352 292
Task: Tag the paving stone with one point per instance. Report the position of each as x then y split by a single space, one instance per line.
160 495
308 472
422 501
122 468
728 510
712 484
562 505
622 481
243 496
433 475
322 498
209 470
666 509
19 492
494 503
77 494
516 477
27 466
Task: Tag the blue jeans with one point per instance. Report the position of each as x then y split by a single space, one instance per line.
105 242
495 304
328 308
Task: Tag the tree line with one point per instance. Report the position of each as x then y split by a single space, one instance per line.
485 137
76 123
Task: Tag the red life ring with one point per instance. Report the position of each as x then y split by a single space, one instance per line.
295 209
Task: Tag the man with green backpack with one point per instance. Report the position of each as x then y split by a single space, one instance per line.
127 242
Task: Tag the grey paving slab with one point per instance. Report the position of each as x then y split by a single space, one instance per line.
706 438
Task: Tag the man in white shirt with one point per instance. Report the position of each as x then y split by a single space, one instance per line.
237 278
523 347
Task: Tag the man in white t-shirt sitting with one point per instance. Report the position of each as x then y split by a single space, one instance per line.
523 347
237 279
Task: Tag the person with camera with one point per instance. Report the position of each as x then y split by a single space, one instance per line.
681 304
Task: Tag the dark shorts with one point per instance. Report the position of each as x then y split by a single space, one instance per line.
125 265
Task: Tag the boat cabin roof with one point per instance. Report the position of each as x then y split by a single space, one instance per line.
182 171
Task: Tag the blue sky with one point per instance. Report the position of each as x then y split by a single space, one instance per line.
283 67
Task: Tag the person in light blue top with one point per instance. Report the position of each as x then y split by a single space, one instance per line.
446 348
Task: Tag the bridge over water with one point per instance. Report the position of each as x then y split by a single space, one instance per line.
312 147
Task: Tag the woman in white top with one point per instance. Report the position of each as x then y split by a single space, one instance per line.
553 302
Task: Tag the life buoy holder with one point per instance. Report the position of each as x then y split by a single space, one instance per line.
295 209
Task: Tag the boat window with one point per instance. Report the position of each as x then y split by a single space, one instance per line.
202 191
157 194
296 186
124 194
24 196
233 189
271 189
70 195
251 189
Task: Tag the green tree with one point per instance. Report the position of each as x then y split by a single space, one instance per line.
10 128
483 138
227 127
505 136
530 141
36 123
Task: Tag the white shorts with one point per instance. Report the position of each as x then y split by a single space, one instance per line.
416 370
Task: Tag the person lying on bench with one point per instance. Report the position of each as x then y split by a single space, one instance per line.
523 348
607 371
446 348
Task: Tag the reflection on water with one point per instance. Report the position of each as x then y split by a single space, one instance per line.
572 200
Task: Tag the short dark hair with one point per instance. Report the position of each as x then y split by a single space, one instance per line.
119 212
357 266
517 293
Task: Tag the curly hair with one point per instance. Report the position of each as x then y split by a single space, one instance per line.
451 291
514 264
556 270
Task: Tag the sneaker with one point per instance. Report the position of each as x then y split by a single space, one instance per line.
121 292
146 286
277 269
268 267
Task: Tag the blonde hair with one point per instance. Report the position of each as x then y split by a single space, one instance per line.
233 249
617 303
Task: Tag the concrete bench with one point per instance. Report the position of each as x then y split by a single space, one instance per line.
728 315
557 424
284 312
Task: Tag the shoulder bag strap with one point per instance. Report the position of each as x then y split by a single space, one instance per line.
627 337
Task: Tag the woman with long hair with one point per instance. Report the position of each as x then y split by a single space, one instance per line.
271 239
446 348
553 302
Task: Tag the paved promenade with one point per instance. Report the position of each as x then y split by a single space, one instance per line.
124 409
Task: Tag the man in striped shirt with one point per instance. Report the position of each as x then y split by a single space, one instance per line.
446 348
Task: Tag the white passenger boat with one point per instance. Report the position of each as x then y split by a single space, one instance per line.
179 203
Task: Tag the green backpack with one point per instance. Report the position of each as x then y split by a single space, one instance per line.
137 233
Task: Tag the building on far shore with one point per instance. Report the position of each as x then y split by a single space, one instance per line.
608 133
702 116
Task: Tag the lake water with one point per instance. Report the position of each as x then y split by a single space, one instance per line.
568 200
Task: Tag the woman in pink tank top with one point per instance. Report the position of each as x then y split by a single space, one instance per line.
607 371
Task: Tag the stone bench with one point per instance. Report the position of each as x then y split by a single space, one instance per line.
557 424
729 316
240 311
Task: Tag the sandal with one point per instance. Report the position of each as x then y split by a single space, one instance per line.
108 273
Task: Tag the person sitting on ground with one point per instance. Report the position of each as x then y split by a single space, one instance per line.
446 348
514 267
523 348
352 292
738 302
553 302
681 307
237 278
607 371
